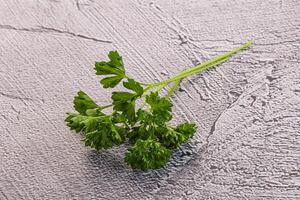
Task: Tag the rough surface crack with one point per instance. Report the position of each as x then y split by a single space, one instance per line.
43 29
15 97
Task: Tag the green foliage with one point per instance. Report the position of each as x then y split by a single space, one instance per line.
134 86
74 121
144 125
124 102
82 102
98 131
187 130
102 133
174 137
170 137
147 154
114 68
161 107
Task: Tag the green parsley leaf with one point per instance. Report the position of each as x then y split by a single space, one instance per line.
127 108
114 67
115 59
74 121
125 101
187 130
134 86
169 137
119 97
94 112
118 118
142 132
110 82
82 102
147 154
161 107
102 133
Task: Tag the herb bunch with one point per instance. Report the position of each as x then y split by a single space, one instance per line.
146 126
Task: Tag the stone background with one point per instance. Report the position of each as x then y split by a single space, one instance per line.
247 110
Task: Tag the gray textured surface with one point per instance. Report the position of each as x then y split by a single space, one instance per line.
248 109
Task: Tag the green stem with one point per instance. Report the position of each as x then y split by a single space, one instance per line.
172 90
194 72
201 67
160 87
177 81
218 58
107 106
145 84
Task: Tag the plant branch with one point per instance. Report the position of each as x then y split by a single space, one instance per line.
172 90
201 67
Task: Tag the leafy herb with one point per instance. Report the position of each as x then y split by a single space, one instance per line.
146 126
82 102
114 68
147 154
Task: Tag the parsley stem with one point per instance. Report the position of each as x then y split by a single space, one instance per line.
193 72
201 67
107 106
178 81
172 90
161 87
145 84
177 77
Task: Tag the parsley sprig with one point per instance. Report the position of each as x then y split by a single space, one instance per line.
146 126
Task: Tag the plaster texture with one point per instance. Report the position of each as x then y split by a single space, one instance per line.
247 109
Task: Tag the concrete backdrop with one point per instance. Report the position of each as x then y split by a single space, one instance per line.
247 110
